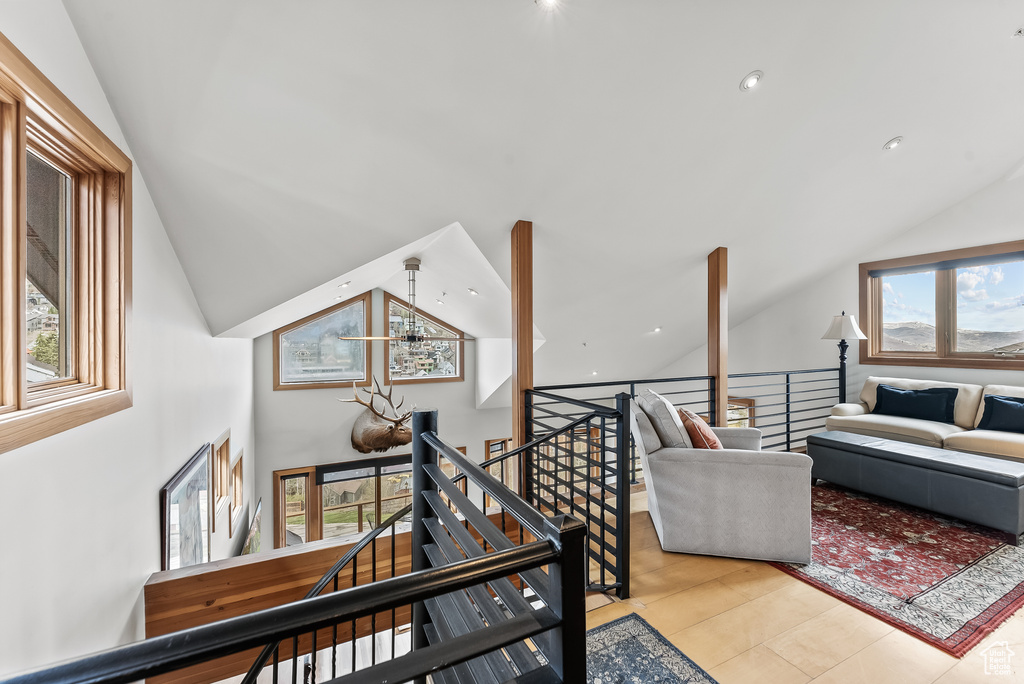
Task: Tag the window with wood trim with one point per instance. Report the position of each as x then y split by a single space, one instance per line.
237 495
65 247
740 412
432 360
343 500
221 477
309 354
962 308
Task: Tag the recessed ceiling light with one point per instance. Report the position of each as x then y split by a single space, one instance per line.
346 283
439 301
893 143
657 330
473 292
751 80
594 373
547 4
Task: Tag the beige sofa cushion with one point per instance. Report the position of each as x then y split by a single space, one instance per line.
1002 390
858 409
988 442
965 411
914 430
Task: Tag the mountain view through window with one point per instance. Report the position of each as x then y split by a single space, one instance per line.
989 310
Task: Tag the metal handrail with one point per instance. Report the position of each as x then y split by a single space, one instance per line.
562 588
790 372
538 524
501 458
327 578
615 383
162 654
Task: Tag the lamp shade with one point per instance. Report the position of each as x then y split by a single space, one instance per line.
844 328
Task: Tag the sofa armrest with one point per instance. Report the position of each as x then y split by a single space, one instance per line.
743 457
738 438
858 409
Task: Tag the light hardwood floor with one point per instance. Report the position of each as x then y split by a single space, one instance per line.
745 621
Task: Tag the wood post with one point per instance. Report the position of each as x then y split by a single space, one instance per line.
522 326
718 331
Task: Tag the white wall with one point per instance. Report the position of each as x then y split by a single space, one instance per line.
296 428
81 509
788 335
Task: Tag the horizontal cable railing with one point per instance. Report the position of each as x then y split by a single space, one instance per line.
785 405
578 463
696 393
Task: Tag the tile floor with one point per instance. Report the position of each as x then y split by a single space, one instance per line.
744 621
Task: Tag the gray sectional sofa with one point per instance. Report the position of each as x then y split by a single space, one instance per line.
961 435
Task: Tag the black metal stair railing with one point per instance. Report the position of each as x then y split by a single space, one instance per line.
578 462
483 607
330 579
448 527
696 393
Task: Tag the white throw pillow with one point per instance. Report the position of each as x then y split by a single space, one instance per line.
665 419
643 430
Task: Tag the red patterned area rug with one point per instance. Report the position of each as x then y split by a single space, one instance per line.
946 582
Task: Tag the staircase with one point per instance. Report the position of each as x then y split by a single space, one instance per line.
490 597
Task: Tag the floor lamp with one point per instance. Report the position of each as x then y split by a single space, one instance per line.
843 326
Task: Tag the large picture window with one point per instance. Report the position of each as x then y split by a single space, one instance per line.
65 244
962 308
343 500
309 354
430 360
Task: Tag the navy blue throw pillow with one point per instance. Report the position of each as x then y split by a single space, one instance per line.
1002 413
928 404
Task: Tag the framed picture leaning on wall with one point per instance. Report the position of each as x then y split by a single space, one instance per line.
252 540
185 513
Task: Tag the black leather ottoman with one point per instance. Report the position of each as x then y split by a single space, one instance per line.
979 489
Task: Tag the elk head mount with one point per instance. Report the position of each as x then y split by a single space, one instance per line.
373 429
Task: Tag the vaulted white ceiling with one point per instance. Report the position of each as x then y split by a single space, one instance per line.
288 143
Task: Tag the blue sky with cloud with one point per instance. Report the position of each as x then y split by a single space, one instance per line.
988 297
991 297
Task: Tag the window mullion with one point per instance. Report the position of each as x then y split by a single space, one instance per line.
110 369
9 377
941 315
12 306
84 312
945 311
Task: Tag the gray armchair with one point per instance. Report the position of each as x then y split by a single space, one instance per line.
737 501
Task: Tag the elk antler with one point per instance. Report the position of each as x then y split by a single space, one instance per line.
397 421
388 398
